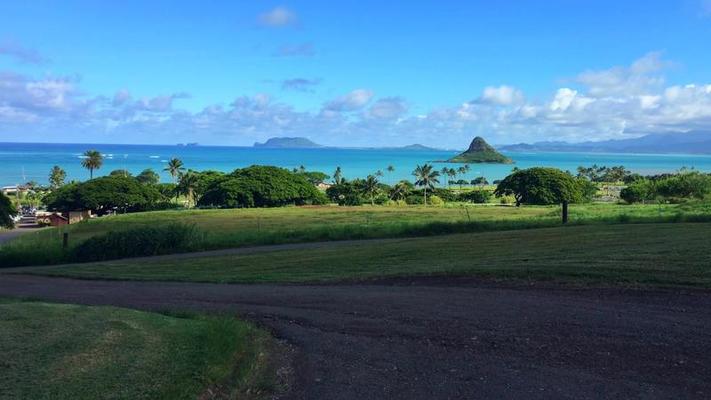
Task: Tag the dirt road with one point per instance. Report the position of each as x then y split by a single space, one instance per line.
449 339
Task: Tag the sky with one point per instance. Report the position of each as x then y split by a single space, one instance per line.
352 73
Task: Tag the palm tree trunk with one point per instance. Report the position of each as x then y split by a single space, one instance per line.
425 195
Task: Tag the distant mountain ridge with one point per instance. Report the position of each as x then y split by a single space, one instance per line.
695 142
288 143
414 147
304 143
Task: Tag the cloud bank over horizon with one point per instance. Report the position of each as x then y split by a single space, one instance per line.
619 102
342 94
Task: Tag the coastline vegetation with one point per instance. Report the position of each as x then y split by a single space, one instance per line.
207 210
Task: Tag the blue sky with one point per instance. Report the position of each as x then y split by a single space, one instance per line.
352 72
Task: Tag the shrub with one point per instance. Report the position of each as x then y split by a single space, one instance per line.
435 200
638 191
7 211
476 196
346 193
444 194
137 242
685 185
415 199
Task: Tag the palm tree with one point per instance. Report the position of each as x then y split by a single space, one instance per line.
400 190
444 172
390 169
451 174
174 168
187 184
56 177
92 160
370 187
338 176
426 177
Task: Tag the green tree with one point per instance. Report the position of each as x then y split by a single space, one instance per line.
103 195
148 177
120 172
480 181
426 177
540 185
315 177
187 185
175 168
56 177
92 160
338 176
401 190
451 174
260 186
7 212
370 187
390 170
685 185
639 191
445 172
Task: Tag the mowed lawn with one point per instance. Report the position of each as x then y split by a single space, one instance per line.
248 227
60 351
628 254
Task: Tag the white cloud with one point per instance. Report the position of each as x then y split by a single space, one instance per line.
352 101
278 17
638 78
612 105
501 95
388 108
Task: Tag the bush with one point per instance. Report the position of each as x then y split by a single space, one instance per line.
435 200
639 191
346 193
415 199
685 185
7 211
261 186
137 242
476 196
444 194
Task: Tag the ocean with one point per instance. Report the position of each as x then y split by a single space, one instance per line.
22 162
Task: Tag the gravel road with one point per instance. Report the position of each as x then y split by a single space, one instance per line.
449 338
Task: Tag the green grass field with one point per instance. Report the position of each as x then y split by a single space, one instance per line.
246 227
627 254
59 351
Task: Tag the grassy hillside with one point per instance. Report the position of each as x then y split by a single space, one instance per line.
649 254
247 227
59 351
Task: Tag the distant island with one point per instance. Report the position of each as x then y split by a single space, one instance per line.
695 142
417 147
481 152
288 143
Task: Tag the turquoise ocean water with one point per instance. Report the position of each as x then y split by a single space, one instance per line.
22 162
